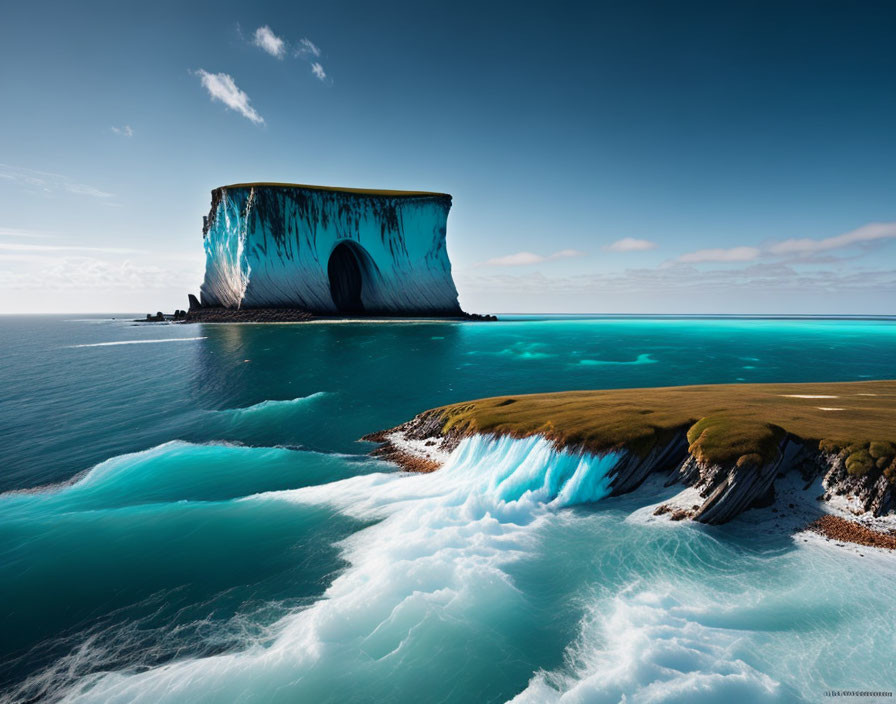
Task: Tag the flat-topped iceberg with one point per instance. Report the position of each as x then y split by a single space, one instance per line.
328 251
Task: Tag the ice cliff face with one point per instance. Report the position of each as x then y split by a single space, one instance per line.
328 251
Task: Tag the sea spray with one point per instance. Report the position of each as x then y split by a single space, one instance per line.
468 579
647 647
432 567
160 538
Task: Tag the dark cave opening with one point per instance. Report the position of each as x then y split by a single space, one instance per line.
346 278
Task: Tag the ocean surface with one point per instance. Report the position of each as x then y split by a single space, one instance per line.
188 516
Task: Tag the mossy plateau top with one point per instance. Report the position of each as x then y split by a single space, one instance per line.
741 423
335 189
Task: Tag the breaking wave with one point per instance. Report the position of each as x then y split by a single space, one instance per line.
444 573
273 406
432 566
181 471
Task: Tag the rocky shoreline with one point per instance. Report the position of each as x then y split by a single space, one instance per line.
208 314
842 529
248 315
716 492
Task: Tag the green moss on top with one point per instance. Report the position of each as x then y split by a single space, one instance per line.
742 423
336 189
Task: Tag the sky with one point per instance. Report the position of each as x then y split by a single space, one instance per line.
603 157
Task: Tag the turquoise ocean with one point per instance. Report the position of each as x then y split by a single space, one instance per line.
188 516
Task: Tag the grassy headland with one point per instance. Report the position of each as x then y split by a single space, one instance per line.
725 424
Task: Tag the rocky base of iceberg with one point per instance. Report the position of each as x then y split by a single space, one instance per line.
247 315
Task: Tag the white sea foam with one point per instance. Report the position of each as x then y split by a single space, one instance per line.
273 405
649 648
645 358
138 342
427 592
435 558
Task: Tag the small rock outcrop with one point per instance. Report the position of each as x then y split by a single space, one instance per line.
870 491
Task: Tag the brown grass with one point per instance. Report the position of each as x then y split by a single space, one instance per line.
724 423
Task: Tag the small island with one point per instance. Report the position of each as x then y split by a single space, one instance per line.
729 442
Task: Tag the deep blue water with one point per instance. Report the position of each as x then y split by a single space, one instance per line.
224 520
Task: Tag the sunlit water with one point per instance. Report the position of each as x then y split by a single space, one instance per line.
194 520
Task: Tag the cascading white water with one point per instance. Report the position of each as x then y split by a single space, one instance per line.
226 266
433 587
436 554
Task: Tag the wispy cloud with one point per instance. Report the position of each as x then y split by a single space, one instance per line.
763 277
630 244
307 47
798 250
222 87
87 273
871 232
22 232
309 51
48 182
732 254
18 247
265 39
524 258
81 189
126 131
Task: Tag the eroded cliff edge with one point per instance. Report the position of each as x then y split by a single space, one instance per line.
731 443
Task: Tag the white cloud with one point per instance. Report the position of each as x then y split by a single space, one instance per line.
18 247
757 288
221 86
307 48
309 51
734 254
47 182
81 189
518 259
630 244
79 272
567 253
801 250
21 232
265 39
524 258
126 131
867 233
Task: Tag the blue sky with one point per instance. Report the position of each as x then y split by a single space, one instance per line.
603 157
